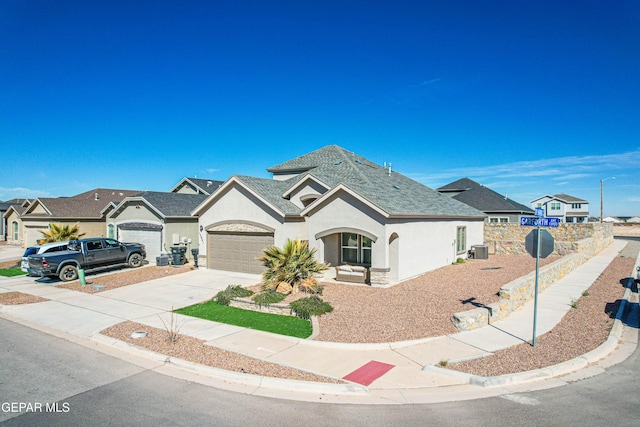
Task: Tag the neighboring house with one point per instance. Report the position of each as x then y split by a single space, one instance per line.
351 210
12 217
196 185
563 206
85 209
157 220
3 222
498 208
4 207
634 219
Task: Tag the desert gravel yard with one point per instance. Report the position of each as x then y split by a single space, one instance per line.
125 277
421 307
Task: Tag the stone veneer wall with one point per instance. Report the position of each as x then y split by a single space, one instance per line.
521 290
248 304
509 238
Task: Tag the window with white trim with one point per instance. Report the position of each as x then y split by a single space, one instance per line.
461 239
500 219
14 225
355 249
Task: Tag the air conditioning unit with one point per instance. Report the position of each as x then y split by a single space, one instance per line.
480 251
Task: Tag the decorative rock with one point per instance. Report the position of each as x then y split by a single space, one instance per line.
284 288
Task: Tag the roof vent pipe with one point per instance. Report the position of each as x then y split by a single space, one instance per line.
97 196
389 170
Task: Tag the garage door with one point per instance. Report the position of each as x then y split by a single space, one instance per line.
237 252
151 239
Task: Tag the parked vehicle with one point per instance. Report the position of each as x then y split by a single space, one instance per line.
42 249
86 254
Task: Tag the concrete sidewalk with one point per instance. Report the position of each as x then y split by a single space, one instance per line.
414 377
10 252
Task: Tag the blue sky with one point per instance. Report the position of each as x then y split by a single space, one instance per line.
528 98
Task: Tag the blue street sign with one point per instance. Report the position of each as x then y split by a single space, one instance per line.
539 222
539 212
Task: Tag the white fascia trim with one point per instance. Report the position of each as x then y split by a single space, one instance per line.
539 198
122 204
233 180
342 187
32 205
113 205
308 177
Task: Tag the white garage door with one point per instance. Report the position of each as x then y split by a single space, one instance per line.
237 251
33 235
151 239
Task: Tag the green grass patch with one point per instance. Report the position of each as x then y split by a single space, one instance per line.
274 323
12 272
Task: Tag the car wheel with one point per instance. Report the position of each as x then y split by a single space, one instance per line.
135 260
68 273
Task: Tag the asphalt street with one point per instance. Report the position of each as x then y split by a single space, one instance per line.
91 388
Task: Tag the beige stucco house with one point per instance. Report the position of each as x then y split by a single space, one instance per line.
13 221
158 220
85 209
351 210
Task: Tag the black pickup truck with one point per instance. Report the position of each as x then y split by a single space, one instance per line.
86 254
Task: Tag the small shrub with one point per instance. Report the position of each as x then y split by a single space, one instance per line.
313 288
172 327
310 306
232 291
574 303
268 297
585 294
444 362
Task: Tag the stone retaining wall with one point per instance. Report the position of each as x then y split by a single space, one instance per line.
248 304
516 293
508 238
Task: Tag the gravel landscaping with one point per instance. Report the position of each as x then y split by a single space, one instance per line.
15 298
421 307
581 330
126 277
195 350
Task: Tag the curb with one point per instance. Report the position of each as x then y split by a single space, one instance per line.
238 378
553 371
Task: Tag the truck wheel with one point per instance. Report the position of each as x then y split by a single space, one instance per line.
68 273
135 260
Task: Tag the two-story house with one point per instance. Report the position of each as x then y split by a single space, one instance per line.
563 206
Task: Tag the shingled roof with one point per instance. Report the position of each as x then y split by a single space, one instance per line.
168 204
483 198
82 206
205 186
390 191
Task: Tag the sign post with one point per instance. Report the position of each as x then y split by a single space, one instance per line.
534 250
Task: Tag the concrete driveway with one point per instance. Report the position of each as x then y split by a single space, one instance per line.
84 314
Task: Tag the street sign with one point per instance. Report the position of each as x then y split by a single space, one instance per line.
539 212
539 222
546 243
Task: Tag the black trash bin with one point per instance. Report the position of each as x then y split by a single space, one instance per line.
195 253
177 253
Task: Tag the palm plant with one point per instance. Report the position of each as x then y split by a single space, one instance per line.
294 264
61 233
